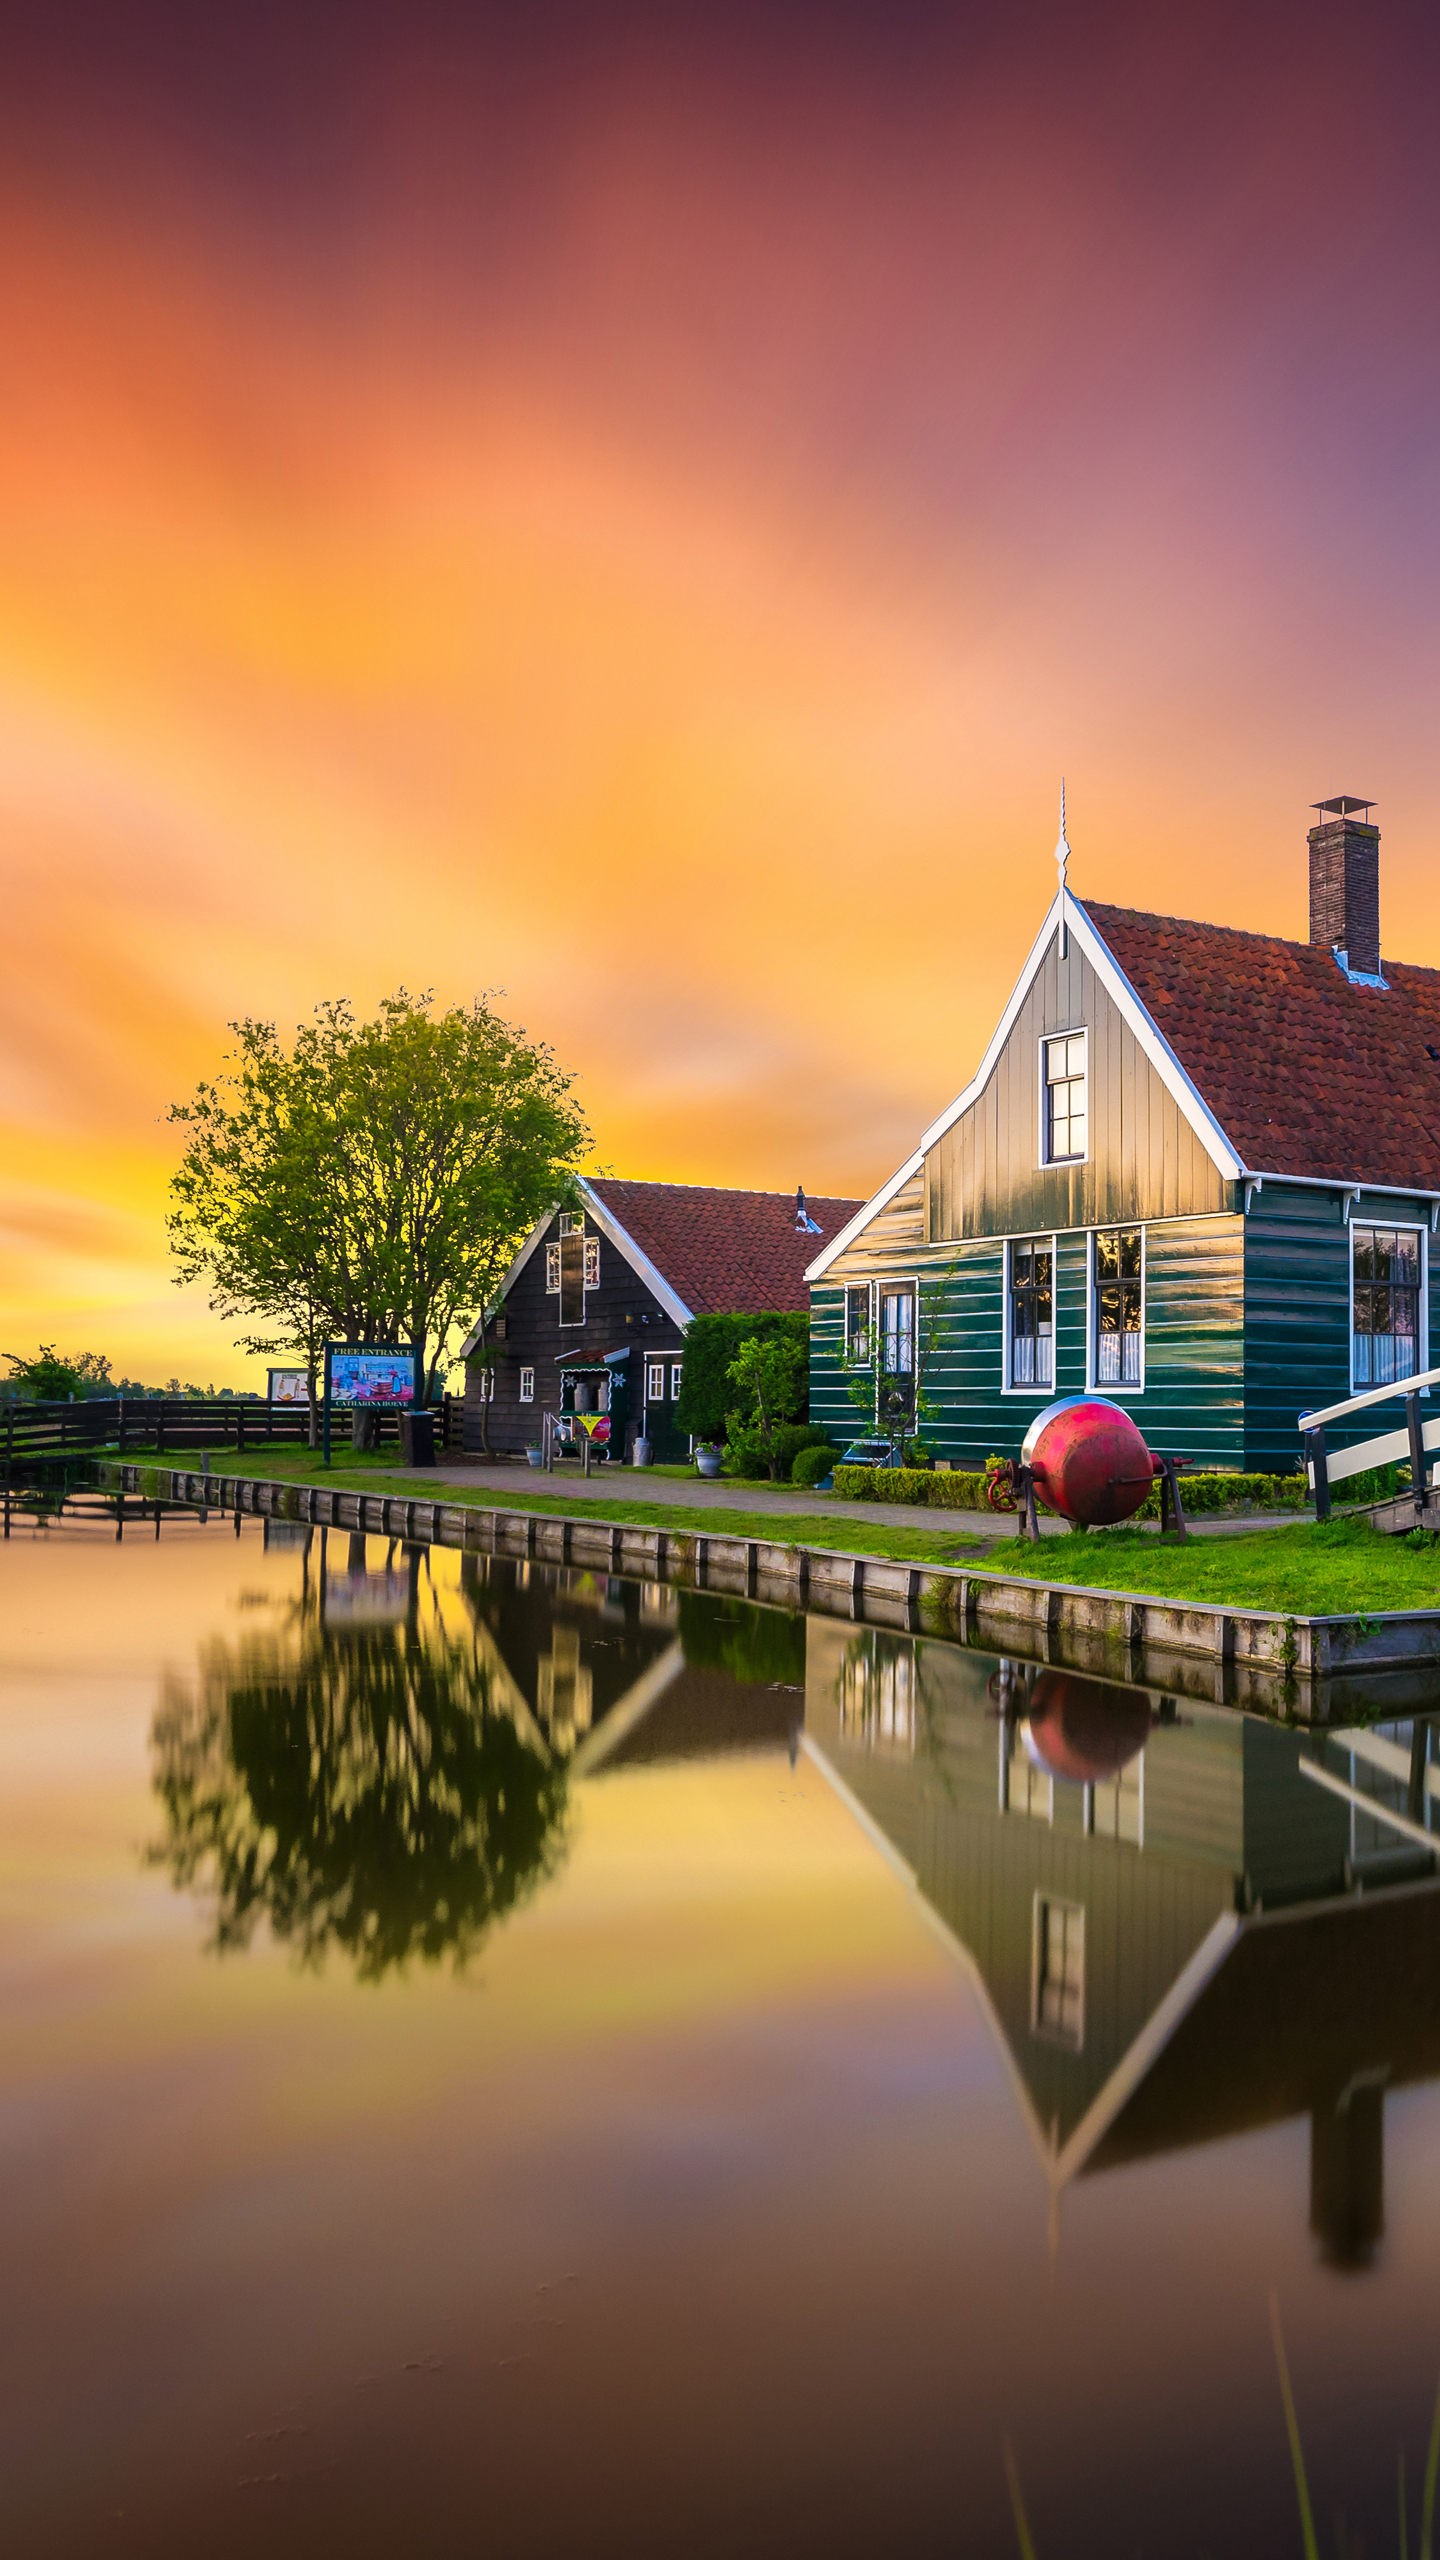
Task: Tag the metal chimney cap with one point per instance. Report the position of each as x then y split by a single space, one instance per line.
1342 806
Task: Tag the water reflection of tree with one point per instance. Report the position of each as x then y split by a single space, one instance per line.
362 1790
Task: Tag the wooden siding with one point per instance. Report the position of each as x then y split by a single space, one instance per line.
620 1311
1193 1400
1297 1314
984 1176
898 1231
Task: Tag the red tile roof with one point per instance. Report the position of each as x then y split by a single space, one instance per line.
724 1251
1305 1072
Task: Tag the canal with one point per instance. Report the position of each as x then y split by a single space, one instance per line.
505 2059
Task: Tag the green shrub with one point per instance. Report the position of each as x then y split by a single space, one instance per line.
747 1455
1213 1490
707 1391
811 1466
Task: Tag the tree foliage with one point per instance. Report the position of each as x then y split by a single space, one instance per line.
372 1182
707 1391
768 1377
48 1376
360 1790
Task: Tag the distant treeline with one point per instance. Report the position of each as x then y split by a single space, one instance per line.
48 1376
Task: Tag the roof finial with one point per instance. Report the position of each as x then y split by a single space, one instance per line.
1062 864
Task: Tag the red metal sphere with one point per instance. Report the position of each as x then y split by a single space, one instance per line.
1084 1730
1088 1460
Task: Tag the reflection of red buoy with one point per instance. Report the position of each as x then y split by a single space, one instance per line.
1088 1460
1084 1730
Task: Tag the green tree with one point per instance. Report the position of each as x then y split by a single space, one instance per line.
372 1182
711 1343
46 1376
769 1372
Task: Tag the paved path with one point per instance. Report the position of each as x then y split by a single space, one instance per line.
638 1484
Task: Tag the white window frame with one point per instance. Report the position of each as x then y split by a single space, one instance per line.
896 1280
676 1370
527 1386
871 1289
1117 1390
1080 1031
552 1271
1398 1226
1042 2026
1009 1386
590 1270
654 1368
572 1222
485 1386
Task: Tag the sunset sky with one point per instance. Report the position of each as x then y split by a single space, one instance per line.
637 507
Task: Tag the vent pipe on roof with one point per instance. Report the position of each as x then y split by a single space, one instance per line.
1345 883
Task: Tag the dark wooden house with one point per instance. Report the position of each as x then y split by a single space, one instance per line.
1197 1169
590 1321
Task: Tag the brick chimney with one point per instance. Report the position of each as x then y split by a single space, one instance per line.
1345 882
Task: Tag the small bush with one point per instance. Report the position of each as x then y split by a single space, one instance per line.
812 1465
911 1484
747 1455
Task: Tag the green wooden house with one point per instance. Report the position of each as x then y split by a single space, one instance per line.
1197 1170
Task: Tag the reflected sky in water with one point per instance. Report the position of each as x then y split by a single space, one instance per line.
496 2058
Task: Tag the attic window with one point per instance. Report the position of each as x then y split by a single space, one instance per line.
1066 1125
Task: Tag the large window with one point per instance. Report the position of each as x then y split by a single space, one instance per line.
1385 1344
1059 1971
1032 1315
1119 1322
857 1326
1066 1112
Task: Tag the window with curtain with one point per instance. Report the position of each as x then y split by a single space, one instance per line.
1119 1307
1385 1339
1032 1315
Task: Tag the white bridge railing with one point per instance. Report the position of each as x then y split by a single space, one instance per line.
1417 1439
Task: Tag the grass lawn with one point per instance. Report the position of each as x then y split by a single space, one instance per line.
1335 1568
377 1473
1331 1568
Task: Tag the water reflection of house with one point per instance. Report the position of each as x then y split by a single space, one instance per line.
1171 1911
612 1673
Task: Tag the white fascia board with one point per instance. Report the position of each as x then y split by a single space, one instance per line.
862 1217
609 1226
972 1091
640 1263
1155 1045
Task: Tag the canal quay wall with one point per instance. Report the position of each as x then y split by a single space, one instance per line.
1314 1668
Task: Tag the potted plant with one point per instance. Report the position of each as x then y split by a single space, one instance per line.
535 1453
707 1458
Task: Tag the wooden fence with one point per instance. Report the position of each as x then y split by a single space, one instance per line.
131 1426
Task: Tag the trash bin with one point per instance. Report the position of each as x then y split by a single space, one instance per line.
417 1439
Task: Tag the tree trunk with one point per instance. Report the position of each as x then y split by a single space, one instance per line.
364 1429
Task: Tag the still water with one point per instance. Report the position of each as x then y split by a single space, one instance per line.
504 2061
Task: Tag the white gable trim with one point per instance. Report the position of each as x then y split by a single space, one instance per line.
640 1263
1156 1047
1067 910
625 1245
862 1217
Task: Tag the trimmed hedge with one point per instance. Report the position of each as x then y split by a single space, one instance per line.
1215 1490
